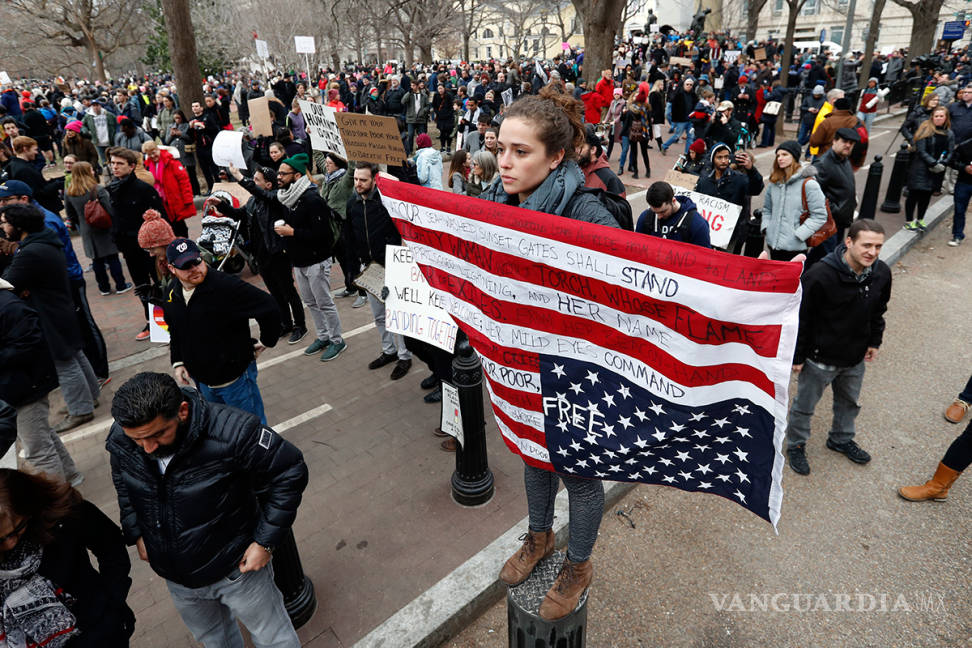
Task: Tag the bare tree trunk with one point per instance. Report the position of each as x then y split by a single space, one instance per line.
753 7
872 34
97 62
182 50
795 6
601 19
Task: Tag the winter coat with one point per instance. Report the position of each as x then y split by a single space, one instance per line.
83 150
685 225
336 192
97 242
961 120
174 187
598 175
211 334
782 206
134 142
100 609
840 316
37 127
131 198
46 192
39 268
810 102
26 370
179 141
371 227
420 116
445 114
428 166
259 214
88 128
920 176
735 186
913 121
836 178
823 136
313 239
231 482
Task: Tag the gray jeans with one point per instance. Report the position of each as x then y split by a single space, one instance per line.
391 343
585 498
79 385
313 284
210 612
846 384
43 447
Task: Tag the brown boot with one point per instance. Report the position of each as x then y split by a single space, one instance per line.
935 488
565 593
536 547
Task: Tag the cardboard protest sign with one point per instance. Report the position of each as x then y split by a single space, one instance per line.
372 280
680 60
721 215
371 138
760 54
730 55
234 190
228 149
260 119
679 179
323 128
412 307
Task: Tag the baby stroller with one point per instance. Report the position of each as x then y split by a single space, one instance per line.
221 243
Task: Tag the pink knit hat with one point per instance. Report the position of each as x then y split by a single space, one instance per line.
73 126
155 231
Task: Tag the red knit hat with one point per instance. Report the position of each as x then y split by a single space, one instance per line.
155 231
698 146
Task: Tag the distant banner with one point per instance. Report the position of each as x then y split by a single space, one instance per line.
412 307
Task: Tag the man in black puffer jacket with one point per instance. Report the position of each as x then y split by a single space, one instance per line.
206 492
841 327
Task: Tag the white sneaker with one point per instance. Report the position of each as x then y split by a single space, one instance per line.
955 242
360 301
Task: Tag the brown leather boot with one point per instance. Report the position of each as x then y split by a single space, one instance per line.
565 593
536 547
935 488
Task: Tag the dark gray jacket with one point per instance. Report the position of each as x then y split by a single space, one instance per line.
836 179
920 176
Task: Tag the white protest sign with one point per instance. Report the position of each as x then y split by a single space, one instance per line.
262 50
451 422
228 149
507 96
5 78
412 307
304 44
721 215
731 55
158 329
323 128
653 28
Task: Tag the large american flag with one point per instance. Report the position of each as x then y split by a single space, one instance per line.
613 355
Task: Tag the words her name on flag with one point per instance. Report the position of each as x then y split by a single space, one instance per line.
412 307
610 354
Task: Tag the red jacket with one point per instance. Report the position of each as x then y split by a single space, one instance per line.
605 88
172 183
593 102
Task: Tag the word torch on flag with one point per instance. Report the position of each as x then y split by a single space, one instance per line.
613 355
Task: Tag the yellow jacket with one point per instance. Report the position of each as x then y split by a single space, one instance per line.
825 110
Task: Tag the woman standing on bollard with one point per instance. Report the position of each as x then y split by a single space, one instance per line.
537 144
934 145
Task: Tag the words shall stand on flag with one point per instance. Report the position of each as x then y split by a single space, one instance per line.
614 355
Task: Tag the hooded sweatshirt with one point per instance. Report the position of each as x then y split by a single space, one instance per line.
685 225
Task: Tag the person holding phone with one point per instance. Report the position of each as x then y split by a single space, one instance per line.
733 177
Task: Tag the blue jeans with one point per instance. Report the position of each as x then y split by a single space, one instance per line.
413 131
210 612
846 383
803 137
680 128
625 145
963 192
243 393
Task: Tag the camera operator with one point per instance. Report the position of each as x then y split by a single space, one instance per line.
723 128
735 183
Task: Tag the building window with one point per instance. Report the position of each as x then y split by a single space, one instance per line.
489 52
500 30
837 34
487 33
810 8
475 52
536 45
528 32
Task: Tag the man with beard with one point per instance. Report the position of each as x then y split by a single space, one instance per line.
206 492
208 313
595 165
736 186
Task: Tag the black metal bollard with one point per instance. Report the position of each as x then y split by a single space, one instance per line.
526 629
869 199
296 587
472 481
899 177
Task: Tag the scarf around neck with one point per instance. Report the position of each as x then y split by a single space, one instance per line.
550 197
291 194
34 611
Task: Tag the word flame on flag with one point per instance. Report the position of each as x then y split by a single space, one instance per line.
614 355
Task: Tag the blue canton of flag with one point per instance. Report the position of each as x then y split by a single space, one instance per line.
600 425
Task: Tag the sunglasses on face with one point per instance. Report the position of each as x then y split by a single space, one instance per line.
189 265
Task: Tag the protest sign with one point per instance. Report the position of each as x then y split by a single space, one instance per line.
412 307
371 138
760 54
653 28
565 46
679 179
680 60
323 128
158 329
507 96
261 48
228 149
451 421
730 56
304 44
721 215
4 78
260 120
600 342
372 280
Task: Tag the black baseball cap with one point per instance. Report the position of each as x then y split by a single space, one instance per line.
182 252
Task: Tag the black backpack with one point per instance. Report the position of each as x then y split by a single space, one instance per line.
617 205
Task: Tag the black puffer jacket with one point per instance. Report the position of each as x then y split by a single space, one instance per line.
840 317
231 482
26 370
40 270
836 178
371 227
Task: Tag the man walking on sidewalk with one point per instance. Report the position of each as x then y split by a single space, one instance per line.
841 327
205 494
